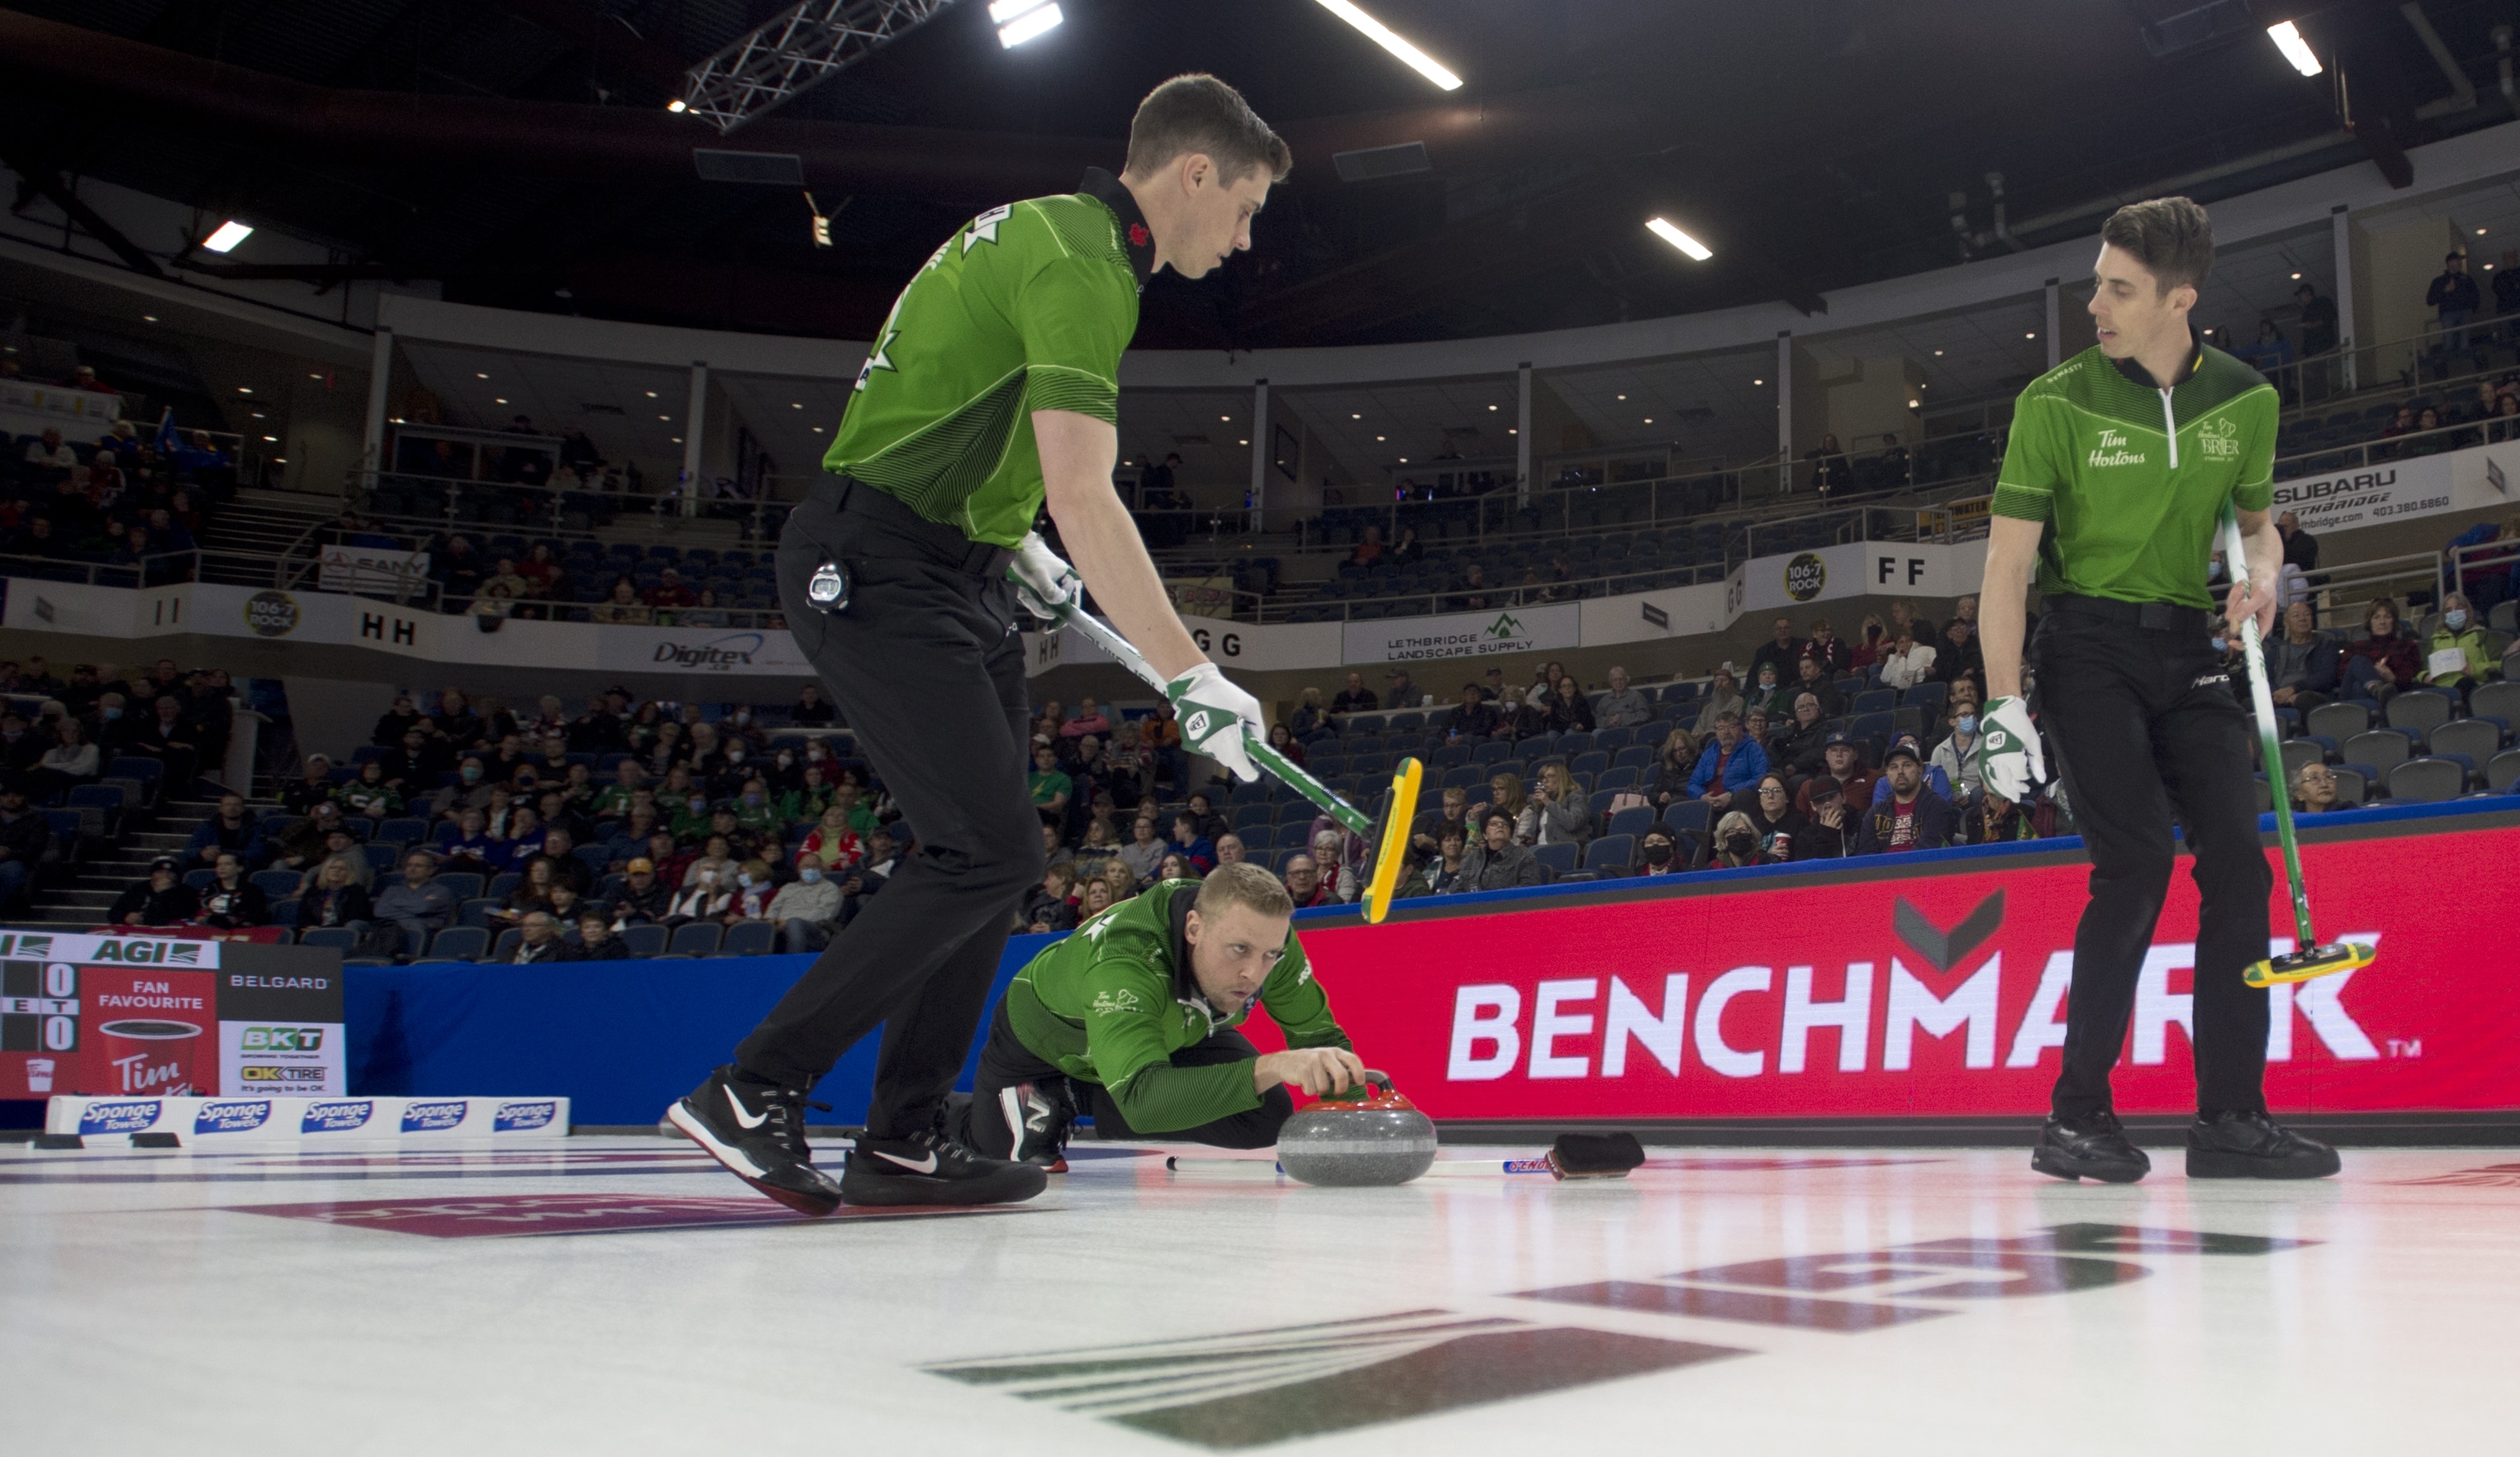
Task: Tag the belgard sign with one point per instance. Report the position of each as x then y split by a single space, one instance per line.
1931 995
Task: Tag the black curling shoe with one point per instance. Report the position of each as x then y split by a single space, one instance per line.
2253 1146
2089 1146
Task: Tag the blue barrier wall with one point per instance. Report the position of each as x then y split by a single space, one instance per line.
622 1039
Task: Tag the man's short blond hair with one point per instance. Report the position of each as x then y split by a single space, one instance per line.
1245 884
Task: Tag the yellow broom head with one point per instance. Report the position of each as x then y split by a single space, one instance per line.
2313 961
1391 839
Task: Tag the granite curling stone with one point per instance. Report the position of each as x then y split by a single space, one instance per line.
1369 1135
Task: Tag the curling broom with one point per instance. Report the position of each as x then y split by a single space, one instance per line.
2311 959
1389 832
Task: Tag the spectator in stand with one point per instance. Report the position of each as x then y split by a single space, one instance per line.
1146 849
1159 735
1914 817
1735 843
1518 719
1304 883
398 721
1497 862
69 762
1404 694
1438 862
2318 321
1773 816
1812 677
1052 906
1475 718
1173 868
644 897
1835 656
1672 768
1569 711
2427 440
303 843
1366 553
811 711
2385 659
2455 295
229 830
231 900
594 937
335 897
1781 652
1283 739
1729 765
2302 662
1841 766
1770 695
541 942
1310 720
48 453
1623 707
24 835
161 898
1827 820
1089 719
1564 815
1658 853
671 592
1355 697
1192 845
1954 758
1830 470
84 378
2314 789
1802 744
1959 657
1050 788
621 604
709 890
755 890
1722 695
168 739
418 906
1909 662
1506 796
369 794
834 844
2462 653
1934 779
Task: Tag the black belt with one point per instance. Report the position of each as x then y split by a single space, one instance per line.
945 545
2152 617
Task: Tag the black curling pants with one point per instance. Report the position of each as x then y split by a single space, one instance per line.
2144 722
1005 1062
925 671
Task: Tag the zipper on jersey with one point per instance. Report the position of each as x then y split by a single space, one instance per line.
2170 427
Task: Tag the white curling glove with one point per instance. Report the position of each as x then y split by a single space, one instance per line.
1043 581
2008 752
1216 718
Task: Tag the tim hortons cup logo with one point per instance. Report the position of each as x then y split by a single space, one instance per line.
150 1055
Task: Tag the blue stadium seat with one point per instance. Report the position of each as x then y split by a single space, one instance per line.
1632 822
275 884
1611 851
694 939
1691 815
645 940
463 885
1557 859
749 939
459 943
506 945
339 937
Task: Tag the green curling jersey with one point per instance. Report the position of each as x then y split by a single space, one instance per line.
2129 478
1112 1003
1028 308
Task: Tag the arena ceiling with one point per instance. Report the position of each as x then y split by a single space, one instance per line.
519 150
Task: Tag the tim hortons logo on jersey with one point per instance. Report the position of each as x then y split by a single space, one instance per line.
1108 1002
2112 451
1606 1027
2220 438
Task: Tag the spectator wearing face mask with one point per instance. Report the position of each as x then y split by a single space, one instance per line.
805 911
1736 843
1954 758
1658 853
2461 653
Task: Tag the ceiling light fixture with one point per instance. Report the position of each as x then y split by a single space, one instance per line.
498 399
1021 21
1491 408
476 374
149 318
227 235
664 417
244 390
2296 279
1382 36
651 394
2033 334
795 404
274 439
1757 382
677 106
2287 38
1679 239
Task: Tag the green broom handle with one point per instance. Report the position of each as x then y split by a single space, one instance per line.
2269 748
1110 641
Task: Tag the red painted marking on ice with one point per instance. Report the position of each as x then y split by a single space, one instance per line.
510 1214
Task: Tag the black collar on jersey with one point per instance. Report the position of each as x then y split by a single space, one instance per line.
1135 235
2142 376
1185 980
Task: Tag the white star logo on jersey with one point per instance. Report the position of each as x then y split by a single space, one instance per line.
985 226
878 359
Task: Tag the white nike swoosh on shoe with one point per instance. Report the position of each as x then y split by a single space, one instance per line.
743 1118
923 1165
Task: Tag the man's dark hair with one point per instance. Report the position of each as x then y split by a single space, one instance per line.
1495 815
2171 237
2456 256
1199 113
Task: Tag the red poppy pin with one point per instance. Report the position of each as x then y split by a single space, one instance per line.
1138 235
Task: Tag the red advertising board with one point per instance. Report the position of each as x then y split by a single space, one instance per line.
1922 991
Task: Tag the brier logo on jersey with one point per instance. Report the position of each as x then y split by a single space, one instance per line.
1926 995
